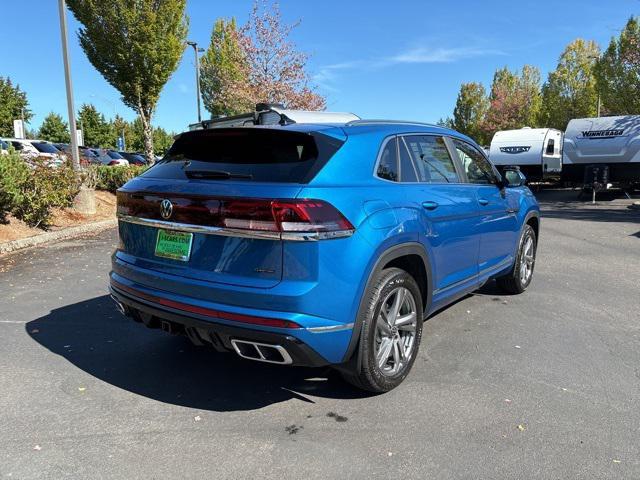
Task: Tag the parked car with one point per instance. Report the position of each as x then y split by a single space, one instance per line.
319 243
134 158
109 157
87 155
31 150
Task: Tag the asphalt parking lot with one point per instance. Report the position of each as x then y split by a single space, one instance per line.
541 385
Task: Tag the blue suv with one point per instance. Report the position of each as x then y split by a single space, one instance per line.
319 243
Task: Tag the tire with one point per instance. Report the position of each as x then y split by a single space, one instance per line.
519 279
372 372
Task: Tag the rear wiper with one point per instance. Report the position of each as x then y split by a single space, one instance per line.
215 174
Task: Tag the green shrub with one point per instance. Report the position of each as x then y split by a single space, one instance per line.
14 173
112 178
30 192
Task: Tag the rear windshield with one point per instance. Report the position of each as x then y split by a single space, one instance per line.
87 152
115 155
45 147
247 154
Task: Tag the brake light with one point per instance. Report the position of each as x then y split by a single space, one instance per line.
113 162
303 219
285 216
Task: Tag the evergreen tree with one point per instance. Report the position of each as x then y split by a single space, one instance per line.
13 106
54 129
96 131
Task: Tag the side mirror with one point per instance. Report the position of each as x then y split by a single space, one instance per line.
513 178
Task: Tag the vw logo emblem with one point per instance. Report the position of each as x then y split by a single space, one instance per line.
166 208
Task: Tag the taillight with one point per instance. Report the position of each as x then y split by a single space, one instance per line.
113 162
285 216
303 219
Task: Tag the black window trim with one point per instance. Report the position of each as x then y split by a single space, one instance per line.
379 158
462 178
460 164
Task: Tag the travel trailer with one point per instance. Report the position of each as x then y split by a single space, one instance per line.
609 146
537 151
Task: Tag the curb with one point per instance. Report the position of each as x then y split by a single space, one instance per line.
63 234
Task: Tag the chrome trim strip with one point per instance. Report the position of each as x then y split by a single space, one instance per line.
455 284
503 263
330 328
235 232
507 261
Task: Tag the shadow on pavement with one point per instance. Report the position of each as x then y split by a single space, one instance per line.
96 338
611 206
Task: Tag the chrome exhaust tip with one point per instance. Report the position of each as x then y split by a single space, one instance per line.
121 308
262 352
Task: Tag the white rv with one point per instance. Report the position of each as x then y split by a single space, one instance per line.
537 151
610 144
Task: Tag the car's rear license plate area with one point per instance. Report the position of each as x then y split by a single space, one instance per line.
174 245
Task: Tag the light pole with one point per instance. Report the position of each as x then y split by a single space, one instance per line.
596 58
195 51
75 157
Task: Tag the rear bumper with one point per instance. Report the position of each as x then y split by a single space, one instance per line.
214 334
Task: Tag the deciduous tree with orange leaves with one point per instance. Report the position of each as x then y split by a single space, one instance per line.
256 63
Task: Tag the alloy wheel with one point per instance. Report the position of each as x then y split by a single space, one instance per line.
396 331
527 260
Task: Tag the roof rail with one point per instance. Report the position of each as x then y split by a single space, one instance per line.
394 122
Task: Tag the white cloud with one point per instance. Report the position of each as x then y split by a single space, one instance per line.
329 74
442 55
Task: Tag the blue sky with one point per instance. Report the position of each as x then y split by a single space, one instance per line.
378 59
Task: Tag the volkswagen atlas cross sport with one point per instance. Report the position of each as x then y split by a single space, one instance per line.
318 240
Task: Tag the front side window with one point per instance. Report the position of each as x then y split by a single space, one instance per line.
431 158
407 168
477 168
388 164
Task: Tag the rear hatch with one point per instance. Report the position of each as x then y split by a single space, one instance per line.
214 208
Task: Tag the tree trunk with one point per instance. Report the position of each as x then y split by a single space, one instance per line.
85 201
147 132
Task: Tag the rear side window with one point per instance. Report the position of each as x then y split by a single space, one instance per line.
388 164
248 154
477 168
431 158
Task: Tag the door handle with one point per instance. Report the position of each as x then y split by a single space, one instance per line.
483 201
429 205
